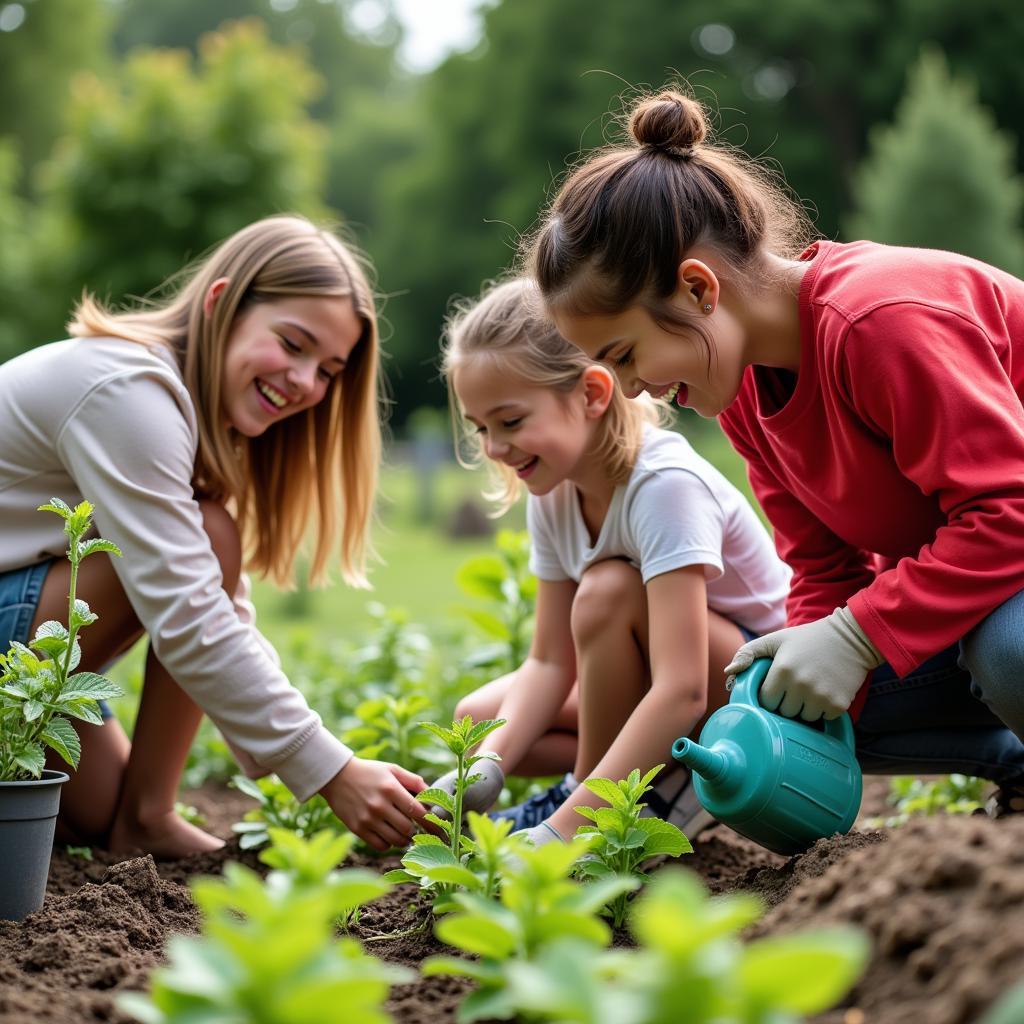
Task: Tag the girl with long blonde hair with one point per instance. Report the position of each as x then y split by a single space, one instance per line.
652 567
213 431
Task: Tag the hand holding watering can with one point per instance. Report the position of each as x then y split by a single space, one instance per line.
774 779
816 668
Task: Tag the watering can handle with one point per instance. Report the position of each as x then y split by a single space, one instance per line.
748 685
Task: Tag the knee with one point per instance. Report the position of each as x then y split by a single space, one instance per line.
222 531
609 594
993 653
476 706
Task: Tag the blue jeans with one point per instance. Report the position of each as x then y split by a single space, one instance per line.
961 711
20 590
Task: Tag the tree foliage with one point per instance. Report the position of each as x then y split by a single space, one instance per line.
165 159
941 176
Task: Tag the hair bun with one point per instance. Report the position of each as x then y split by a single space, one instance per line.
669 122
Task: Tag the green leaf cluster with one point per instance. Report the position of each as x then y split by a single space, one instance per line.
504 581
268 953
620 839
539 906
482 861
39 689
689 964
948 794
277 808
388 730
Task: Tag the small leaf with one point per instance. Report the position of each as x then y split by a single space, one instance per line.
90 547
56 505
82 709
90 685
61 736
474 933
32 758
32 709
608 791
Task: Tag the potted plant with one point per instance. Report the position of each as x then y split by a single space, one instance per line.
39 688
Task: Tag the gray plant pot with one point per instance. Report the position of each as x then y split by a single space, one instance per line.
28 817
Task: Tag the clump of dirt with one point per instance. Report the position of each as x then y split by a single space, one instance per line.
63 962
943 903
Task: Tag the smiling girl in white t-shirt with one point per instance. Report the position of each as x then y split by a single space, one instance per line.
653 569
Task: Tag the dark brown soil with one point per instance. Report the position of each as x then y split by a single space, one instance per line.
942 900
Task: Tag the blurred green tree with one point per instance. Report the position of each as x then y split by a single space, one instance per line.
941 176
42 46
164 160
15 259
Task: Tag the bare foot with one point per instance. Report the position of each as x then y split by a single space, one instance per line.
166 837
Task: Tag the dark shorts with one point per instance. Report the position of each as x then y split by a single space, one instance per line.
19 599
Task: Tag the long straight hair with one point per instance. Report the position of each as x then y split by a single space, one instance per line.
507 326
317 468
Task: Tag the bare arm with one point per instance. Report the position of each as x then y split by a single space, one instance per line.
541 684
677 698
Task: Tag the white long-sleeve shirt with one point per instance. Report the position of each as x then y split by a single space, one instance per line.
111 421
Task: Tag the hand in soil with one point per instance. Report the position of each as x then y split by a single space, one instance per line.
166 837
375 800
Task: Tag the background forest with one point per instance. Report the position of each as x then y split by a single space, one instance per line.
135 133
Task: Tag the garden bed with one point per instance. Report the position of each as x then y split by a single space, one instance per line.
942 899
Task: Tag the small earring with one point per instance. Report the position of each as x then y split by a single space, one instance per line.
707 307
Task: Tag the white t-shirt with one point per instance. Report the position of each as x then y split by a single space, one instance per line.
675 510
112 421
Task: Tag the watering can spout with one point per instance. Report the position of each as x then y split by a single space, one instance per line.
711 764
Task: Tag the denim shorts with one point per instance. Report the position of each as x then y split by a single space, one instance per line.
19 598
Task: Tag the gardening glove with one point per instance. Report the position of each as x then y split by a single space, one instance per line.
540 834
817 668
479 795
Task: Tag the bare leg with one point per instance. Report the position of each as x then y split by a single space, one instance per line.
610 627
122 795
554 753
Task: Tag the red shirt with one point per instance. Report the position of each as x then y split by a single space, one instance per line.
892 470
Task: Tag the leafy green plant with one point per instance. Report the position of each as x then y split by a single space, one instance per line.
690 965
484 855
620 840
948 794
267 953
539 905
389 731
470 861
312 863
38 691
278 808
504 581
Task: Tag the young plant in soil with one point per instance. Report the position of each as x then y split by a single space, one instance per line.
948 794
388 730
539 905
39 688
278 809
620 840
267 953
472 861
690 965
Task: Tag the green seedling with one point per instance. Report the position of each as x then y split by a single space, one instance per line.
312 863
539 906
483 857
620 840
505 582
191 814
278 808
470 861
81 852
39 688
949 794
268 954
690 966
389 731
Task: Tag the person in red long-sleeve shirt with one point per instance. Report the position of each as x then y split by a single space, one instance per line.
877 395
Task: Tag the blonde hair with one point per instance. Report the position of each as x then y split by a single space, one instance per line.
507 326
316 468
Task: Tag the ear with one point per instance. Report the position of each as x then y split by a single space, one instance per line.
598 388
697 287
213 293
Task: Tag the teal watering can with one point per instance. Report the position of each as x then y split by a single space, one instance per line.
779 781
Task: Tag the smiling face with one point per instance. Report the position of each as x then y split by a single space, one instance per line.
282 357
542 434
670 364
